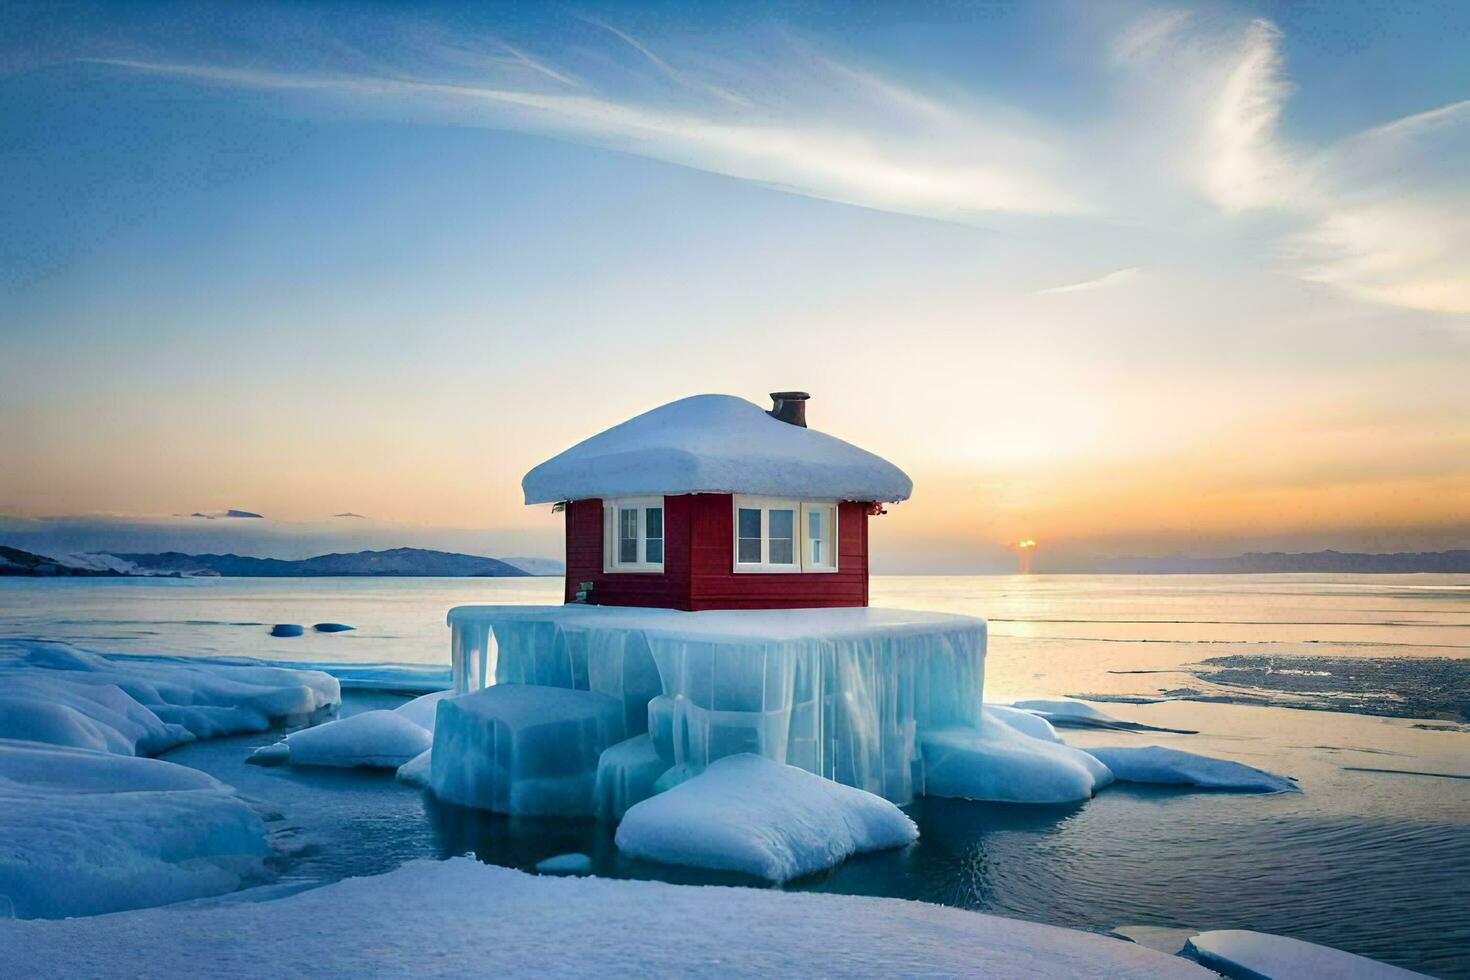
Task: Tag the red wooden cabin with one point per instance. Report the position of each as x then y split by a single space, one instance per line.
711 502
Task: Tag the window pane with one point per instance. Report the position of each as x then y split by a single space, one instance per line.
748 547
653 530
814 534
628 536
782 533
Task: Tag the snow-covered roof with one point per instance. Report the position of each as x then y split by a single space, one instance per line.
715 444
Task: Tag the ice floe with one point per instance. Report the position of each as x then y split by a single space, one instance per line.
414 920
1255 955
379 739
1007 759
416 771
65 695
88 826
1156 764
84 832
746 813
1075 714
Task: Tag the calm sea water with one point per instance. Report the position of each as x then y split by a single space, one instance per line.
1373 856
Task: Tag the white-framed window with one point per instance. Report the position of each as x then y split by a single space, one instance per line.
778 535
633 534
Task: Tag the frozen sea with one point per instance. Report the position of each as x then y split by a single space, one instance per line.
1357 686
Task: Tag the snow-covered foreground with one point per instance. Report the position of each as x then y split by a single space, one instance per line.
462 918
86 824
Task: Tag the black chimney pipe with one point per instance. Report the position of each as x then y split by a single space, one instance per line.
789 407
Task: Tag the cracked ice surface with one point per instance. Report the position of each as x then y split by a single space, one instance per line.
843 693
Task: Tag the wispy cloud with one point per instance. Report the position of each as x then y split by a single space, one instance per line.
1115 278
1196 131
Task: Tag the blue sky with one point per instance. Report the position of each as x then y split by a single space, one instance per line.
1173 278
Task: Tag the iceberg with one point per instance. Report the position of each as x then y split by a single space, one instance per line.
1156 764
746 813
523 749
1250 955
414 920
84 832
843 693
373 740
1007 759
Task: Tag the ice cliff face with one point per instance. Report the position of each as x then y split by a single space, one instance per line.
842 693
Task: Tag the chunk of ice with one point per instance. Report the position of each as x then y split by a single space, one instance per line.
626 774
1156 764
566 864
746 813
1000 761
522 748
415 772
422 710
65 695
84 832
1246 954
838 692
372 740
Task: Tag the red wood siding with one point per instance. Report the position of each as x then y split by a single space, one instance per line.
699 573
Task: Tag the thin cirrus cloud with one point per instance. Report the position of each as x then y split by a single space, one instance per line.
1116 278
1383 215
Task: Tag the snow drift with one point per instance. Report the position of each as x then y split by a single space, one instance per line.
84 831
414 920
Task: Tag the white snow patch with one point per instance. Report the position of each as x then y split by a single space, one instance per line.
746 813
84 832
1008 759
414 920
1156 764
714 444
372 740
1255 955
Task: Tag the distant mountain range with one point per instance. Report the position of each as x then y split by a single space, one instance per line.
402 562
1345 562
13 561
